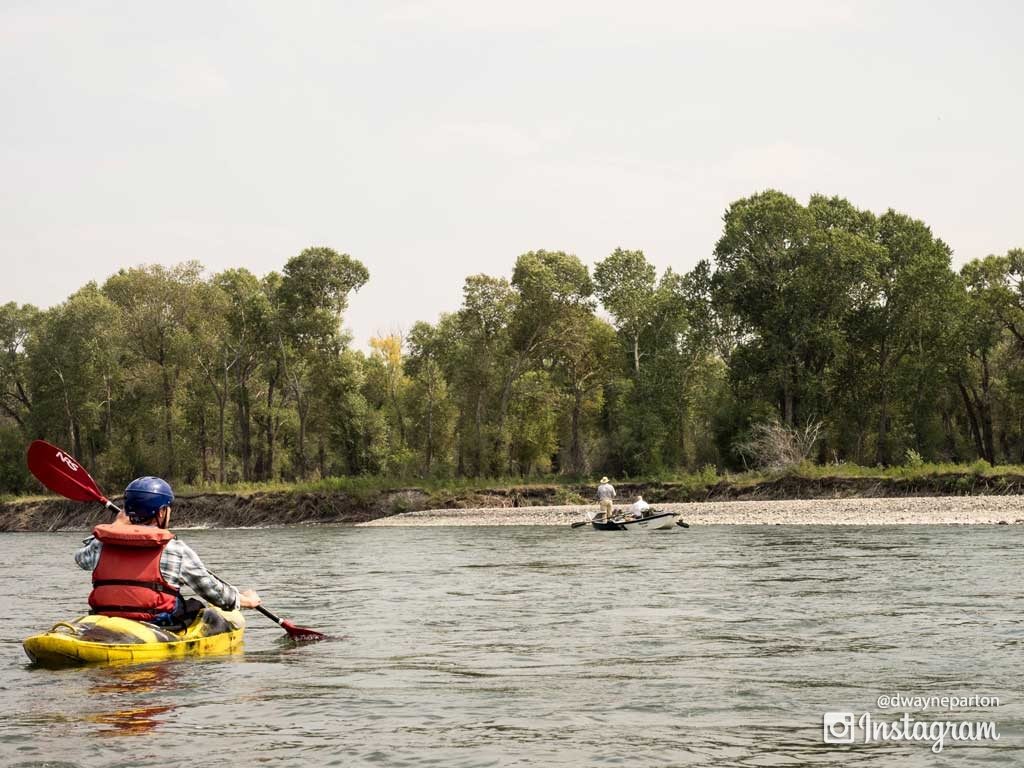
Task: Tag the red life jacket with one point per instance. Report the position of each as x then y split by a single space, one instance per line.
127 581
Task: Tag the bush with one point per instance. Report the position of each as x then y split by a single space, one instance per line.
777 446
979 468
708 475
564 496
913 459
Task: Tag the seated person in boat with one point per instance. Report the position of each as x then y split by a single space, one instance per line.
638 509
139 567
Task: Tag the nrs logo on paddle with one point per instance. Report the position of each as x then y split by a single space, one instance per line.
72 465
843 728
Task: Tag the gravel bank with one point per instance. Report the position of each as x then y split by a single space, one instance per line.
936 510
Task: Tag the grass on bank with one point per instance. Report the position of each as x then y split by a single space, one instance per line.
358 485
810 471
364 487
708 476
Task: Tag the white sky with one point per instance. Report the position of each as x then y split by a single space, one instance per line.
433 140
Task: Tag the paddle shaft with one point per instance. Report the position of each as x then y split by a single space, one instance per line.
269 615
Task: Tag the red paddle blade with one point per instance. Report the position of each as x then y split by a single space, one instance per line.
301 633
62 473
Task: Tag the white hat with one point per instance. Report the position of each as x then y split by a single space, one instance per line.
604 479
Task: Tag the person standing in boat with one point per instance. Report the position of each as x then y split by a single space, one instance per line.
139 567
605 497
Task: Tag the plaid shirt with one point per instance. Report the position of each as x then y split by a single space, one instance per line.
179 566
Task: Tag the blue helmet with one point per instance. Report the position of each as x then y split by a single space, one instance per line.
144 497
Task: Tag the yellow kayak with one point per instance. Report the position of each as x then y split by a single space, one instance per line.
98 639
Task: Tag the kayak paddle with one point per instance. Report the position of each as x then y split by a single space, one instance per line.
64 474
296 633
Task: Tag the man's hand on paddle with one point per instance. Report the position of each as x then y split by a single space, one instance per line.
248 599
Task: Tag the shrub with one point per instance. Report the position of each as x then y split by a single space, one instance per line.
779 446
708 474
979 467
913 459
565 496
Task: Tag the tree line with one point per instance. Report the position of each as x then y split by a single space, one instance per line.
818 316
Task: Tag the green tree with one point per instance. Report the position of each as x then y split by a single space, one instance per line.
350 437
157 307
14 475
585 363
270 403
429 401
312 297
216 352
74 373
478 338
901 311
246 336
626 287
16 326
387 354
787 280
989 312
551 286
532 424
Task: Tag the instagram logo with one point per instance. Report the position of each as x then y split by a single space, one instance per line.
837 727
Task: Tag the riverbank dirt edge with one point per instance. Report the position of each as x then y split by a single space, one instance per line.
550 503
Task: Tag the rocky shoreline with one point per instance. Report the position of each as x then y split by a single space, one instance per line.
956 498
949 510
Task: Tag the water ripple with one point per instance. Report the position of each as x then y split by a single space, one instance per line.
539 646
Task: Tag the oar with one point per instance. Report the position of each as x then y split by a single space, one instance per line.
64 474
590 518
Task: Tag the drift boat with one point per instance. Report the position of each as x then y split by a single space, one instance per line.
98 639
654 522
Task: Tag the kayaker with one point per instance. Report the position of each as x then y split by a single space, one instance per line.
605 496
139 567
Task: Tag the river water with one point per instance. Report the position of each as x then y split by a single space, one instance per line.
543 646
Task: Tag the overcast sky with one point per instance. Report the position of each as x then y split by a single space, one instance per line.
433 140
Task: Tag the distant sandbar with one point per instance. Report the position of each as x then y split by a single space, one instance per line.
934 510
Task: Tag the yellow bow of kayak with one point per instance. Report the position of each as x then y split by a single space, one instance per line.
97 639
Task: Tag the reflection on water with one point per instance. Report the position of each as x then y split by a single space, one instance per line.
132 686
129 722
539 646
